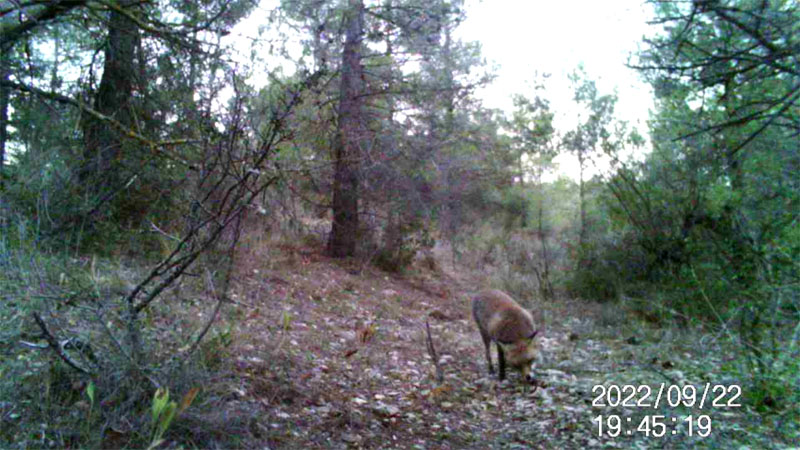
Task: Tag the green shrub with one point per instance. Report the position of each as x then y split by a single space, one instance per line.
593 284
402 246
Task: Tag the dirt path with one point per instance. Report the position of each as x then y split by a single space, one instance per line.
335 358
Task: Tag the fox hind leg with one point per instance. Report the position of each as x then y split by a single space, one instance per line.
487 345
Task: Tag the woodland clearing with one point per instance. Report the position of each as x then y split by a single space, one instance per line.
333 356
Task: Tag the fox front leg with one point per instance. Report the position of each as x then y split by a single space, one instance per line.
501 361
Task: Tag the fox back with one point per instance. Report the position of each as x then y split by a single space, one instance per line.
503 321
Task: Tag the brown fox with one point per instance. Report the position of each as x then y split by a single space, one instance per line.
504 321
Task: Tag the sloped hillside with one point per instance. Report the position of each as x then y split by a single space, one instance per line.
332 355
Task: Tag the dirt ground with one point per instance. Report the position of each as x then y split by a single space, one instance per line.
328 354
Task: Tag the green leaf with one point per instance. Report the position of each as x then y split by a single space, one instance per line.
160 400
90 391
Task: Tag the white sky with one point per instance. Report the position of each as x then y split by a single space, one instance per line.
522 37
525 36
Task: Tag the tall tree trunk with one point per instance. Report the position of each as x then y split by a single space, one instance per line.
545 287
350 134
450 89
113 99
4 97
582 195
392 239
452 205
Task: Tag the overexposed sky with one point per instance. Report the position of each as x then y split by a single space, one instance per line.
520 38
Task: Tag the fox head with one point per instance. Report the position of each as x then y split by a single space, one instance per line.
520 354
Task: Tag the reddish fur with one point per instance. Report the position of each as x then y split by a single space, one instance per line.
504 321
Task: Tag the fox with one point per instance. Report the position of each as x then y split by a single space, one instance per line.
503 321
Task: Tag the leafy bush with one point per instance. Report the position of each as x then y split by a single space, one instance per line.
592 284
403 243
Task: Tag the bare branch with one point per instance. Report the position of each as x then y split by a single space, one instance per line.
11 34
432 354
158 147
55 345
220 301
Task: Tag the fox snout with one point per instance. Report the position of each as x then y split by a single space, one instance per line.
529 378
526 373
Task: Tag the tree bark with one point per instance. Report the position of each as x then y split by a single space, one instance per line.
350 134
113 99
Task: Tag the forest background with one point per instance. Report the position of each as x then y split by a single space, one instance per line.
143 160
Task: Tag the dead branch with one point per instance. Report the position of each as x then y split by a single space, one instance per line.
433 355
56 346
213 318
161 148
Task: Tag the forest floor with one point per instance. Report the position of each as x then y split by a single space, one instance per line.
331 355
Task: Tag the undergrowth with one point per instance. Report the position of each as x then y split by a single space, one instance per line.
95 393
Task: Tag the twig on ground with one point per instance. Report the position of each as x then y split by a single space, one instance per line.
433 355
